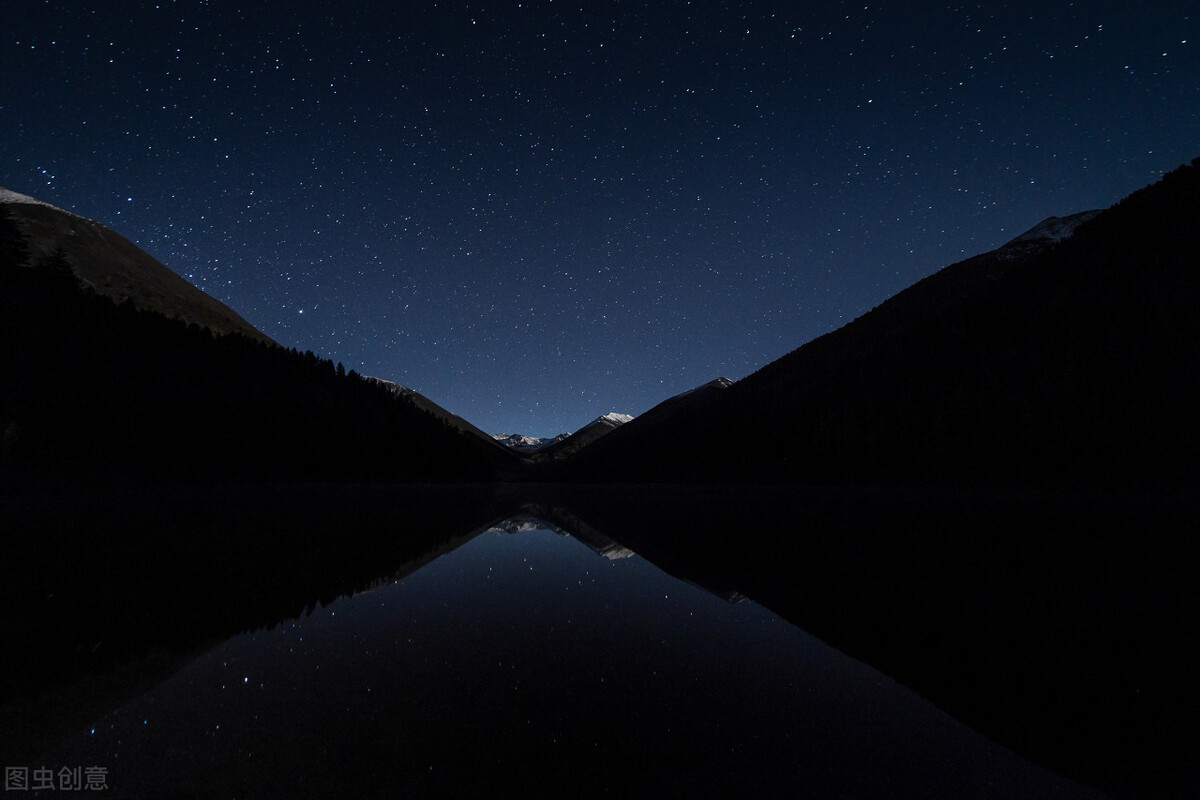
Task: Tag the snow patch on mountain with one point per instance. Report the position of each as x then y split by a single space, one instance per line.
1053 229
519 525
616 552
715 383
9 196
563 444
519 441
391 386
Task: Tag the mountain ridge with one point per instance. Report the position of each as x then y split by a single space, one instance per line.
113 266
98 392
1053 358
907 391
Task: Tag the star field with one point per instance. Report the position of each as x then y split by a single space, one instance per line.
536 213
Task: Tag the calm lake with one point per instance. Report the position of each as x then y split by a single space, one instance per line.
388 641
526 663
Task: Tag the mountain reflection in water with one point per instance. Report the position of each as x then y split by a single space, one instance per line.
549 659
525 663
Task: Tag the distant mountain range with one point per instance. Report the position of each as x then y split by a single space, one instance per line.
1066 356
521 443
540 450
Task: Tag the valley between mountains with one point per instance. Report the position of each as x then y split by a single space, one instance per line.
1062 358
984 487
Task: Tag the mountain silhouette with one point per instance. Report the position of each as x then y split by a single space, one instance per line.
114 267
1067 356
143 388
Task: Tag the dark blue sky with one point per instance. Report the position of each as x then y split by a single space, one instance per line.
536 213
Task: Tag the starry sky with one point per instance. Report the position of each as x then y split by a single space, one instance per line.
539 212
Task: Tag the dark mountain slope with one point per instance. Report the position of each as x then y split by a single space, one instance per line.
546 462
698 397
422 402
1068 362
693 406
115 267
507 465
92 389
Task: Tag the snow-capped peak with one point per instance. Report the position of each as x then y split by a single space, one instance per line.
617 419
9 196
1054 229
715 383
517 439
527 444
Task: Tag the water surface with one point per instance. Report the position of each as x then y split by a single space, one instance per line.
527 663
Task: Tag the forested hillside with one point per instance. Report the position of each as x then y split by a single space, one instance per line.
89 387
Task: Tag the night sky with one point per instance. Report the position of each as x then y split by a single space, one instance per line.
536 213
